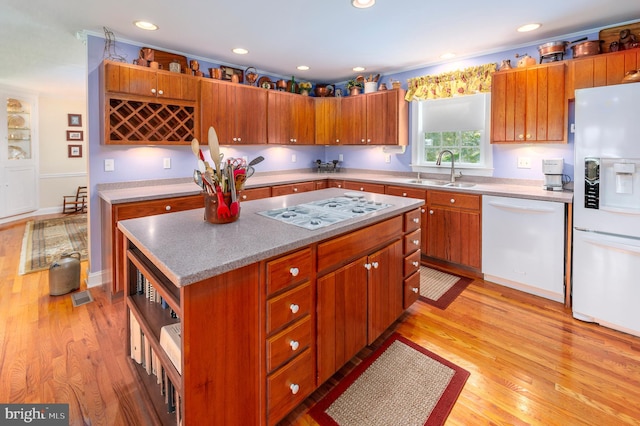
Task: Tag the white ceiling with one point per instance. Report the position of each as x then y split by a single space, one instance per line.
39 48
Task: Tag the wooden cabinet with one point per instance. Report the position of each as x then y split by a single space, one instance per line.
364 186
237 112
379 118
141 106
255 193
112 238
143 81
600 70
454 228
291 119
327 113
293 188
401 191
528 105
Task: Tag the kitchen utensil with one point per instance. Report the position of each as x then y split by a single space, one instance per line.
234 207
553 47
525 60
197 178
223 210
256 160
632 76
587 48
214 151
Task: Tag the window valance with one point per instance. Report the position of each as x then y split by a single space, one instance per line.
460 82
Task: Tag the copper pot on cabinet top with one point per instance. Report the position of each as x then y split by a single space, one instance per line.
587 48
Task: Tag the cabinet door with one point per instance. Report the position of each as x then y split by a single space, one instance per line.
352 126
342 317
382 113
385 289
619 64
176 86
327 110
218 110
304 120
280 109
454 236
250 115
545 104
138 81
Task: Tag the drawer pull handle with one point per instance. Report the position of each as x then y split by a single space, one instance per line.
294 308
453 200
367 266
404 194
244 197
295 189
375 265
414 289
294 271
168 208
416 264
294 345
416 242
361 189
416 220
294 388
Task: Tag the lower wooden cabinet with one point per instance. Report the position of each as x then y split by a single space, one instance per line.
364 186
293 188
255 193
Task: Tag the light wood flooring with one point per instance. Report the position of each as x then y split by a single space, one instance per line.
530 361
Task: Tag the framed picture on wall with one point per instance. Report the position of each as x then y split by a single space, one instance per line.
74 135
75 120
74 151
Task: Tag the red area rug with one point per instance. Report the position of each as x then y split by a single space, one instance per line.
401 383
439 288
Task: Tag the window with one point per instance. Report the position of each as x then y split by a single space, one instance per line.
459 124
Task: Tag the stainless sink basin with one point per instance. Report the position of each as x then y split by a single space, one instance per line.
429 182
460 184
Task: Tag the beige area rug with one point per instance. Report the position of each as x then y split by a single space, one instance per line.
401 383
46 240
439 288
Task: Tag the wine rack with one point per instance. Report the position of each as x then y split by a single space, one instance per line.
132 121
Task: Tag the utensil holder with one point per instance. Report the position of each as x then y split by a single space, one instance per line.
211 208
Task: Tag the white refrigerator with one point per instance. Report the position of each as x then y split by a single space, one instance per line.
606 239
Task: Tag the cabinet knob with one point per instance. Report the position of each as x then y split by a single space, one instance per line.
244 197
416 220
235 139
528 136
160 92
375 265
362 140
294 271
337 140
416 242
430 211
239 139
414 289
339 186
295 189
294 388
416 264
167 208
368 140
294 345
453 200
294 308
361 189
153 91
404 194
521 137
422 210
367 266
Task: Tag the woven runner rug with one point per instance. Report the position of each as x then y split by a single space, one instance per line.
46 240
440 288
401 384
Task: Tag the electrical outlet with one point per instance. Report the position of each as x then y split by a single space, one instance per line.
293 158
387 158
109 165
166 163
340 157
524 162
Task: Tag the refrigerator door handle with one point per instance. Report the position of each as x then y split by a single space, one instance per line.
613 245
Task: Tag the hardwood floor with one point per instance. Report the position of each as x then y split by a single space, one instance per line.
530 361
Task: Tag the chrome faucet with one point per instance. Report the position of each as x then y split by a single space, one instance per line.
439 160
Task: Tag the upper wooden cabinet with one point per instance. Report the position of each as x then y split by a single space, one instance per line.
137 80
600 70
528 105
291 119
327 111
237 112
380 118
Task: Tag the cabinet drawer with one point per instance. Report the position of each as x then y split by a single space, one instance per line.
289 386
294 188
288 307
401 191
255 193
366 187
150 208
288 343
411 263
333 183
454 199
412 220
412 241
288 270
340 250
411 290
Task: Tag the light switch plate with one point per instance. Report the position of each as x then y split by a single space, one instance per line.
524 162
166 163
293 158
109 165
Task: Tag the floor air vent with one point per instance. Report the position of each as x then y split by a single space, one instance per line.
81 298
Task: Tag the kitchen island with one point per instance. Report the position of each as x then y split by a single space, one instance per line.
258 303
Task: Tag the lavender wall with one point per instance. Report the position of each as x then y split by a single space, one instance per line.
145 163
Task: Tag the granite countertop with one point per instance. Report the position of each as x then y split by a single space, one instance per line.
150 190
188 250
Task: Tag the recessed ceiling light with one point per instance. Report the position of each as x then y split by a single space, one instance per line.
359 69
144 25
448 55
303 67
363 4
240 51
529 27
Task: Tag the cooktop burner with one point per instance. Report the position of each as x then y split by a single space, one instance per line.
318 214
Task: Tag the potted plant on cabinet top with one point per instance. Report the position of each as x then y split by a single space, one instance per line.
305 88
354 86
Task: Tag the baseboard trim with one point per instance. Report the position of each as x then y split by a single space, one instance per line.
95 279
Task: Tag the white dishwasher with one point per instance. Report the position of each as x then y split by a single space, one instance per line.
523 245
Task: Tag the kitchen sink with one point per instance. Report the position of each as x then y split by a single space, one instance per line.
460 184
429 182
